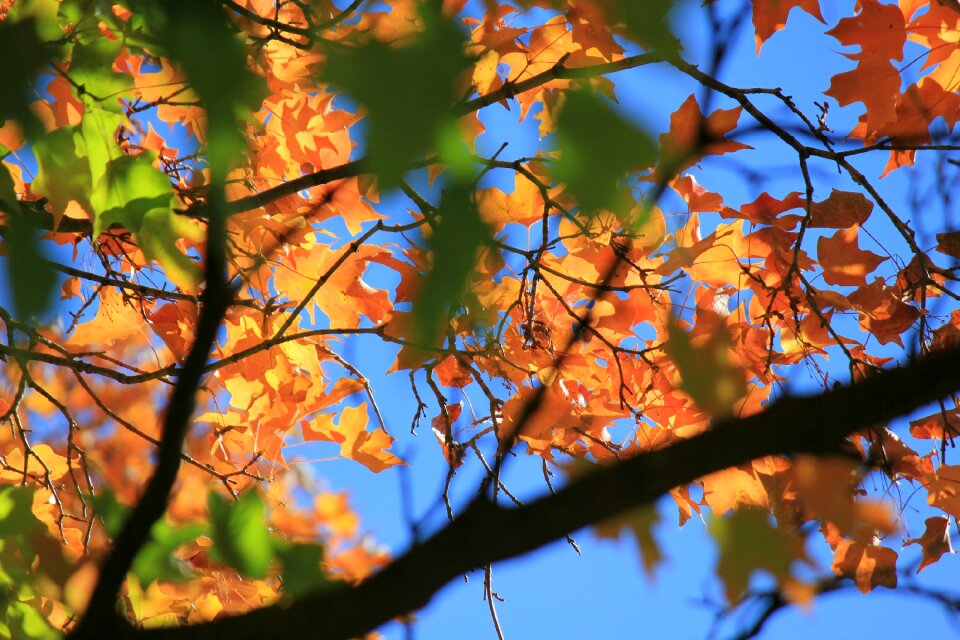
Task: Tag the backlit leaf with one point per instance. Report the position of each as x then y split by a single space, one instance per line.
240 535
597 148
747 543
408 91
459 235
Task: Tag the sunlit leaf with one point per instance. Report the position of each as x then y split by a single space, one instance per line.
240 535
597 148
408 91
301 568
459 235
747 543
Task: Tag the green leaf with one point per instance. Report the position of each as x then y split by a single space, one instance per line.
27 623
301 568
597 148
708 376
156 561
98 129
64 171
19 42
111 512
240 535
16 511
648 22
747 543
31 278
408 91
91 69
137 195
459 234
190 31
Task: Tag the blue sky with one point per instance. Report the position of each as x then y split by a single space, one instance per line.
555 593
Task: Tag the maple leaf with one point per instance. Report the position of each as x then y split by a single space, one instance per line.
843 262
841 210
693 136
747 543
770 16
868 565
944 489
369 448
935 540
877 28
876 83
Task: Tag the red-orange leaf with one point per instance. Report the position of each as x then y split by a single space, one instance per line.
770 16
843 262
935 541
877 28
867 565
876 83
841 210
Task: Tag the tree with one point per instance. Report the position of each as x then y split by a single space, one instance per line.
184 178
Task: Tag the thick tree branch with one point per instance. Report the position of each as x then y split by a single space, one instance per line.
486 533
101 613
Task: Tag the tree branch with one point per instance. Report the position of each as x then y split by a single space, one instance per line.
486 533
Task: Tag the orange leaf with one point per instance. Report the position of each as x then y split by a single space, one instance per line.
868 566
949 243
692 136
116 319
843 262
770 16
876 83
841 210
944 490
366 447
932 427
877 28
935 541
523 205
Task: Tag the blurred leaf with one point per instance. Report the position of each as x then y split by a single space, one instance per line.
708 376
26 623
459 234
648 22
597 148
240 535
190 32
640 522
748 542
16 511
408 91
31 278
301 568
19 42
140 197
111 512
156 561
64 171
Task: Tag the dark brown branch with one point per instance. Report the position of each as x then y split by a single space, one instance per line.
101 614
486 533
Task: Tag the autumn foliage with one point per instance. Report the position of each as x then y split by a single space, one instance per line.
208 207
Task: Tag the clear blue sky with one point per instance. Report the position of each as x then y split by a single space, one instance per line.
554 593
